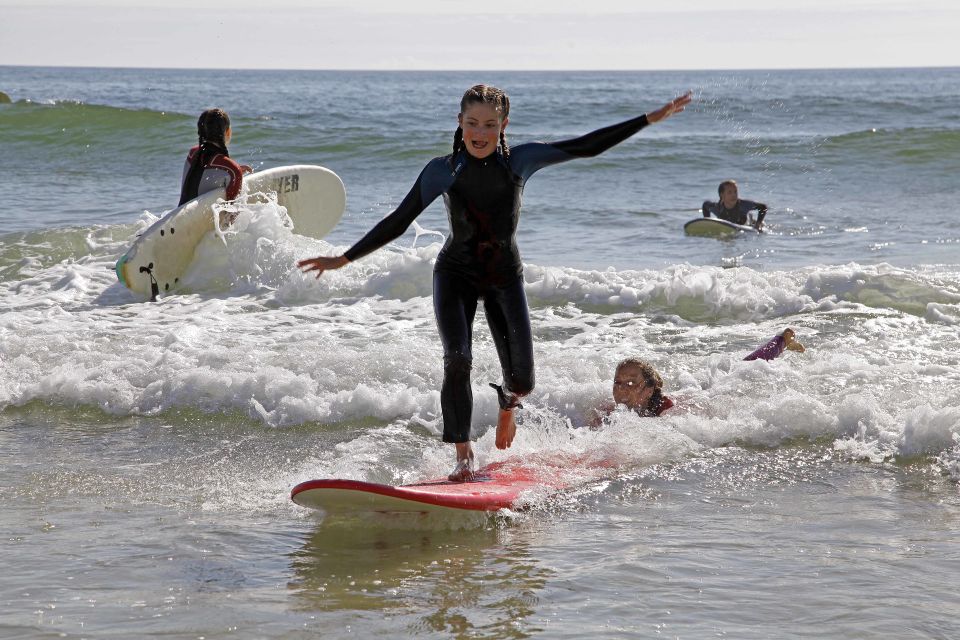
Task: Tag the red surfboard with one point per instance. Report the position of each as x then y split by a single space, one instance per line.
496 486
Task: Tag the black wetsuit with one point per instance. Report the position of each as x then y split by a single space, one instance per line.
738 214
480 258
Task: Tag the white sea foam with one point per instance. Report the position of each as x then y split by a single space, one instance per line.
251 335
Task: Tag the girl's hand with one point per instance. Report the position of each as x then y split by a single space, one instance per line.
321 264
674 106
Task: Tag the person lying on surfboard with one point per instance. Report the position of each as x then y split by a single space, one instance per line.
732 209
482 186
209 165
639 387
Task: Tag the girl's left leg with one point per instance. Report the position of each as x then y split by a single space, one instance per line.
509 319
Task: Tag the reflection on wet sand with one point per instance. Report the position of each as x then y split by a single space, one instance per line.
477 582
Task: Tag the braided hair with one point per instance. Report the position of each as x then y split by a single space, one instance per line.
484 94
212 134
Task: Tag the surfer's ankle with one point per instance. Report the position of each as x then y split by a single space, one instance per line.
463 472
506 399
464 450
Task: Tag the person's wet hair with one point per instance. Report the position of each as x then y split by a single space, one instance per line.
651 378
484 94
724 185
212 129
650 375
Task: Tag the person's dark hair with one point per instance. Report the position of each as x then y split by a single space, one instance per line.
486 94
652 378
724 185
212 134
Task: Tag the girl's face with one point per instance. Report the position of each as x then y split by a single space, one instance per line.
730 196
630 388
481 126
227 135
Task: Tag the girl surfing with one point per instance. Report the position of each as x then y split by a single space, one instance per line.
482 185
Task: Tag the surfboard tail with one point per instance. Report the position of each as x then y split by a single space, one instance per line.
119 268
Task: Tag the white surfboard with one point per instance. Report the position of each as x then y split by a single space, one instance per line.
715 228
313 196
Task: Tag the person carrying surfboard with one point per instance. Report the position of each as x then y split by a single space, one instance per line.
209 165
482 185
731 208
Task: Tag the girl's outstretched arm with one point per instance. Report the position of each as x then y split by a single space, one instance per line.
431 183
321 264
676 105
529 158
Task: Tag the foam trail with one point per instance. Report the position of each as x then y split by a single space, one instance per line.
253 337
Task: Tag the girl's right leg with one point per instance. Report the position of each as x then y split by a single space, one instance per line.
455 306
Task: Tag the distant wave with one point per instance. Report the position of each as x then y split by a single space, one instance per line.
910 145
67 122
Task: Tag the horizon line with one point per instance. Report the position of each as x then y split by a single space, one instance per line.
434 70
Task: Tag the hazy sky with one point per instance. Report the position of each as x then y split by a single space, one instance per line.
487 34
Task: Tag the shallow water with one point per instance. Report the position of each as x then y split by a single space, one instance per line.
147 451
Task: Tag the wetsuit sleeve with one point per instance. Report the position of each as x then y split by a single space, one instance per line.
527 159
759 207
665 403
233 170
770 350
761 211
708 208
429 185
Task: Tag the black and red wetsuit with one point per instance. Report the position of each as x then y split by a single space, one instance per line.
220 170
480 258
664 404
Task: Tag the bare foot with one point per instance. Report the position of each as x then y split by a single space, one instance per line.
506 429
463 472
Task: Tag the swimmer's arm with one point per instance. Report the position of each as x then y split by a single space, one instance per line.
707 208
599 413
760 208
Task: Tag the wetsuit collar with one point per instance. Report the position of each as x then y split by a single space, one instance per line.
497 156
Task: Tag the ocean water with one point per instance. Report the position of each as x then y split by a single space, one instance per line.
147 451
